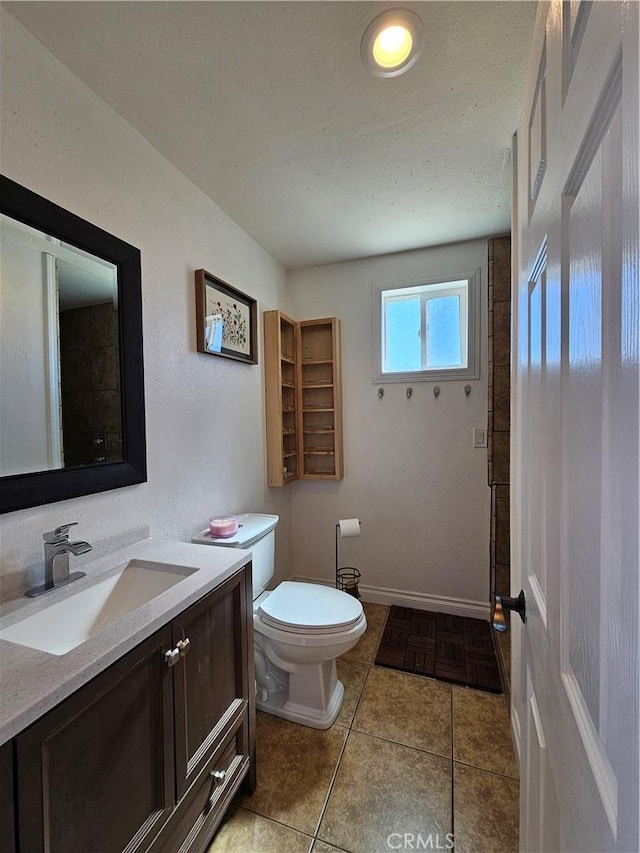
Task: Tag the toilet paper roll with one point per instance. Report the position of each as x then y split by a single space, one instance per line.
349 527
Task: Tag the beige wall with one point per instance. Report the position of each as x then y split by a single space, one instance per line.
411 473
205 434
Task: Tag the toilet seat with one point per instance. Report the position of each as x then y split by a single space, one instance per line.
306 608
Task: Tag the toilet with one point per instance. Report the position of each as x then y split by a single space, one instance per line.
299 631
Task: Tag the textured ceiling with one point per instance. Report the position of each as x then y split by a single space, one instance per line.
267 108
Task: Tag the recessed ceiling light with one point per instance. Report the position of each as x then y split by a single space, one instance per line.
392 43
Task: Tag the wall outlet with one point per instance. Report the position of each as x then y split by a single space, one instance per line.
479 437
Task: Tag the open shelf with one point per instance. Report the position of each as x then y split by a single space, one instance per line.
287 339
303 398
281 383
319 466
320 399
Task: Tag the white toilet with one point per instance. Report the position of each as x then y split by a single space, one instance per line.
299 631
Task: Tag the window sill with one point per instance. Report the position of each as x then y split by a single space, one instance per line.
457 373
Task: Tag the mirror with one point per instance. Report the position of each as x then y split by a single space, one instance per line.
71 371
60 391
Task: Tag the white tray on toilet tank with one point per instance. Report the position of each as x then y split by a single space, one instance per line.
256 533
251 526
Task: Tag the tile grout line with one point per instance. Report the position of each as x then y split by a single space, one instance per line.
405 745
331 784
274 820
453 800
484 770
344 746
355 710
340 849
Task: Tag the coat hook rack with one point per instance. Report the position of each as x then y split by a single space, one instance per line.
409 393
380 393
436 391
467 390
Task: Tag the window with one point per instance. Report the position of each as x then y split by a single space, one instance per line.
426 331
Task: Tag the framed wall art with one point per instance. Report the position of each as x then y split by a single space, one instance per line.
226 320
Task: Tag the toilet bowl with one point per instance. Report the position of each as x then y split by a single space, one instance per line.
299 631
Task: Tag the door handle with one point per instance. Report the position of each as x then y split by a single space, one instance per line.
505 603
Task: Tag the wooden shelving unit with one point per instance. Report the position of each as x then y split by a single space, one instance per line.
303 399
320 399
281 375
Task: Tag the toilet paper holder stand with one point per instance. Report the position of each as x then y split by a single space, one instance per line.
347 577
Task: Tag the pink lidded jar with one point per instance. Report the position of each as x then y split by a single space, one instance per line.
223 527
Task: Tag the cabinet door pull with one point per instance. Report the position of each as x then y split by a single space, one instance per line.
183 646
218 776
172 657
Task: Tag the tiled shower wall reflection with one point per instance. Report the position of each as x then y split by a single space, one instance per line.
91 415
498 425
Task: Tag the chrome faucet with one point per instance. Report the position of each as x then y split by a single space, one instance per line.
56 559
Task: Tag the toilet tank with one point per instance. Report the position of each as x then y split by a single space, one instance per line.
256 533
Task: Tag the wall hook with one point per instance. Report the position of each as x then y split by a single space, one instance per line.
380 393
467 390
436 391
409 393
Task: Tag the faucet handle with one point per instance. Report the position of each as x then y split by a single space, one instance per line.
60 534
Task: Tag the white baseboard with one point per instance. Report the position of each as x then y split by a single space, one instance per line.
418 600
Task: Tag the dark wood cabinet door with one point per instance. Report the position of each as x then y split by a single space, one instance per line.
213 682
7 819
97 772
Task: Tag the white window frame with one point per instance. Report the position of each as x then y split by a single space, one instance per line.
471 341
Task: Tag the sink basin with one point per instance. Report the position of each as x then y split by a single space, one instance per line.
66 624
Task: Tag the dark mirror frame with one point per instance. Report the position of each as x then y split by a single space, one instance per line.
20 491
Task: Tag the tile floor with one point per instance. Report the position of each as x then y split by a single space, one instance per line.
408 761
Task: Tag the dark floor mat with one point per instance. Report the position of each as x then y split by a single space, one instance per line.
451 648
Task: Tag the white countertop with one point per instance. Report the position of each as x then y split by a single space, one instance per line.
33 682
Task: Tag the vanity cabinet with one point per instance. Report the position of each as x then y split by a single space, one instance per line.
214 712
147 756
7 818
97 772
303 391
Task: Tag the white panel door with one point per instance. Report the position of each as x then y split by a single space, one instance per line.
576 356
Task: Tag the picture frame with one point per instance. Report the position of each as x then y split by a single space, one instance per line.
226 320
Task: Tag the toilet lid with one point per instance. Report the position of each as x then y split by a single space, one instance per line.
310 607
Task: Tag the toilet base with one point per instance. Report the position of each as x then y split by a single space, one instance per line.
278 705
